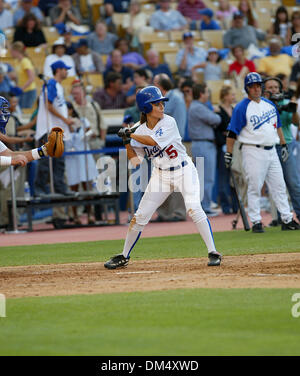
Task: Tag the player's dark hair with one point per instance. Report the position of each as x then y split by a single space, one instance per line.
198 89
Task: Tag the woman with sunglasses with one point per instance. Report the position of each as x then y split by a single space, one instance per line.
158 138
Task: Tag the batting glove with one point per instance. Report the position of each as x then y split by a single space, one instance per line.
228 159
124 133
284 153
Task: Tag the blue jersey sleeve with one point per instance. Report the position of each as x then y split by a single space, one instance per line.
279 124
238 119
52 92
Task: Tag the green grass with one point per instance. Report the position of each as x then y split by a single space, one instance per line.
228 243
176 322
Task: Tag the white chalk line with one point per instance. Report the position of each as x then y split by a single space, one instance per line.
273 275
145 272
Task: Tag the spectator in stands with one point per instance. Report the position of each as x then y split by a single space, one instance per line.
202 121
80 169
241 66
294 29
225 108
118 67
25 74
6 16
207 22
30 32
26 7
70 45
225 12
132 60
173 209
165 18
100 40
281 25
141 78
86 60
64 12
46 5
240 34
116 6
187 90
213 70
88 108
249 15
59 53
189 9
190 59
277 62
5 83
111 96
134 22
154 66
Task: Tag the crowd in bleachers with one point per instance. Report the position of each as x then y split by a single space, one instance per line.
112 47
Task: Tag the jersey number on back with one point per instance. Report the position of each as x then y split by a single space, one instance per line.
172 153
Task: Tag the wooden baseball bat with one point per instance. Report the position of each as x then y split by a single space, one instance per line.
240 202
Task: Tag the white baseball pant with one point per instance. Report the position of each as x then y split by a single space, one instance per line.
161 184
264 166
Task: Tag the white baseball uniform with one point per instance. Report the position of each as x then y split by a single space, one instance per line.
256 126
173 170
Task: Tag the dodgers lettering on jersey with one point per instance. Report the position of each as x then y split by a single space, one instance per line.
169 150
255 123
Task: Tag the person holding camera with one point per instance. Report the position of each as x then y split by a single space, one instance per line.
287 108
256 124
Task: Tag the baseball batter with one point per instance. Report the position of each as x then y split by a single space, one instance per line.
158 138
256 124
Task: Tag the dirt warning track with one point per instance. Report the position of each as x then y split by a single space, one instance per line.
267 270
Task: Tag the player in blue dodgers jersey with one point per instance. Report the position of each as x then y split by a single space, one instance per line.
158 137
256 124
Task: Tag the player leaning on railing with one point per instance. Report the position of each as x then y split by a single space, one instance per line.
54 147
158 137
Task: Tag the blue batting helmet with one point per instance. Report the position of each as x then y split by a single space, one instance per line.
148 95
252 78
4 114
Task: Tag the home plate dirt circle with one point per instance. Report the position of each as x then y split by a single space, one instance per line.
264 270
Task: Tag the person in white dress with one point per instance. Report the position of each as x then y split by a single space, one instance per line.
80 168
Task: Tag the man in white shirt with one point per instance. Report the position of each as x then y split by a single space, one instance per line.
6 17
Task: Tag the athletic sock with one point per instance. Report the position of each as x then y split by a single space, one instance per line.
133 235
207 235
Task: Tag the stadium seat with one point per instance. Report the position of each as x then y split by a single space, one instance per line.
214 37
165 47
215 87
264 18
37 56
147 38
94 79
170 59
51 34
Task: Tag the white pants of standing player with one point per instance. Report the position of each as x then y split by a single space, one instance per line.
161 184
261 166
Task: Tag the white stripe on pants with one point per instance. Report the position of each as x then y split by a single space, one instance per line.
264 166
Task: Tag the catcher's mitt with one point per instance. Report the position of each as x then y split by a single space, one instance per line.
55 144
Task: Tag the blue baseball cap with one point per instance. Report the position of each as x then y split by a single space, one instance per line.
206 12
82 42
188 34
238 14
59 64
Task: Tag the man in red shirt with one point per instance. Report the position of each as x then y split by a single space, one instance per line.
241 66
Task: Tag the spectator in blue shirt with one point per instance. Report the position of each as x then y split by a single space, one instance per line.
190 58
154 66
5 82
165 18
26 7
207 22
117 6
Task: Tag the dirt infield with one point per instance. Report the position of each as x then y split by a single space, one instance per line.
272 270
